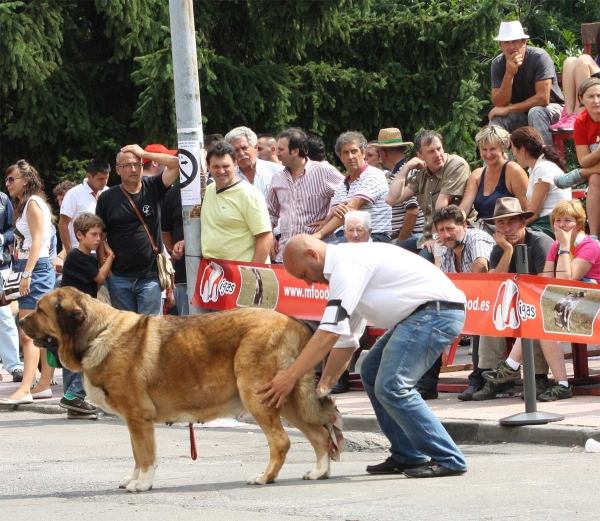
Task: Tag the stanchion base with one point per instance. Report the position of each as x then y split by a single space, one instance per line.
531 418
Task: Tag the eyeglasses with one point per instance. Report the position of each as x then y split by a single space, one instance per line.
11 180
129 166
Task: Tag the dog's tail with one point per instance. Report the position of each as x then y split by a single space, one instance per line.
313 410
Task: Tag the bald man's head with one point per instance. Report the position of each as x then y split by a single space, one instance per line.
304 258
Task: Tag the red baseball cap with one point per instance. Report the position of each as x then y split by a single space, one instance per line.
158 149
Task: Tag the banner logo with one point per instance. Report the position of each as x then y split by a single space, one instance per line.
506 308
214 284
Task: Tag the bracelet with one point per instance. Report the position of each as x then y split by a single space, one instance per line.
562 252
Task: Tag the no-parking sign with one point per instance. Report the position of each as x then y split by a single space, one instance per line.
189 172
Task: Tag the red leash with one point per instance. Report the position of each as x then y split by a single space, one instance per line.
194 451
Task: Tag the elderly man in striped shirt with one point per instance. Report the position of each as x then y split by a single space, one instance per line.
301 193
364 188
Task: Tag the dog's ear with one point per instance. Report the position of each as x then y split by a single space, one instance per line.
70 316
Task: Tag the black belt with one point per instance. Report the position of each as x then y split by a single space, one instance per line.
441 304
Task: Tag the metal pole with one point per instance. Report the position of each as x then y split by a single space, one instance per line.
531 416
189 133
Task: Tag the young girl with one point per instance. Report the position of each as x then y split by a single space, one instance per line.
33 222
587 145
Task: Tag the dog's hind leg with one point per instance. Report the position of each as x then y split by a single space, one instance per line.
269 421
143 442
318 437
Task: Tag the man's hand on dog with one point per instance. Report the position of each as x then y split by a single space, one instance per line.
277 389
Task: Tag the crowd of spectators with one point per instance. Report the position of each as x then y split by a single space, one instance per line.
265 189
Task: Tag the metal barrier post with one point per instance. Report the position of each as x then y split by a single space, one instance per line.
531 416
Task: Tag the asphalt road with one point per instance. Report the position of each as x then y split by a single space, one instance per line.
52 468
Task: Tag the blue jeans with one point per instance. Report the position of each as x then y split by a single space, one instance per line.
411 245
390 371
9 340
181 299
138 295
73 383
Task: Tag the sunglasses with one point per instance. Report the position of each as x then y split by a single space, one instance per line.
11 180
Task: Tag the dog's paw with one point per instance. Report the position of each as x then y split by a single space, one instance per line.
125 482
259 479
317 474
132 486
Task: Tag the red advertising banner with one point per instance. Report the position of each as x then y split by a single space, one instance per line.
506 305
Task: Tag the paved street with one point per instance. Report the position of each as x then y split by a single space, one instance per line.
52 468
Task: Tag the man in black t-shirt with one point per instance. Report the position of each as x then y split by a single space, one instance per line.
172 235
134 284
525 90
510 219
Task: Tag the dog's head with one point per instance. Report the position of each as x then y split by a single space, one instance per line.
56 323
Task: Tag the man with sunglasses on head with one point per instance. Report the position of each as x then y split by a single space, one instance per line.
134 284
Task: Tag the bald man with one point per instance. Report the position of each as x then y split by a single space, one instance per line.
423 311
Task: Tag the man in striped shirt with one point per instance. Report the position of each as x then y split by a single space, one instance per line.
407 217
301 193
364 188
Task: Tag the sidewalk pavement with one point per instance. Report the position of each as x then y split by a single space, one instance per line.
467 422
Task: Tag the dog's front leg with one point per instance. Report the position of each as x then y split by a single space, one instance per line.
136 470
143 443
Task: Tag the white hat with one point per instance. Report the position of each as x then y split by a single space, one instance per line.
510 31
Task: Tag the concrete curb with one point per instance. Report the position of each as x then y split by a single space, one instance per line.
462 431
470 431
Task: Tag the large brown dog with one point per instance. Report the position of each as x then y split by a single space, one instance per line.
184 369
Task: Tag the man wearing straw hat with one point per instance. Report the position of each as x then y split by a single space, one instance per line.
525 90
407 217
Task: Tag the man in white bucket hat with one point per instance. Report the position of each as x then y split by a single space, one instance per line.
525 90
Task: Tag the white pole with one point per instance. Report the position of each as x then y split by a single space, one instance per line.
189 133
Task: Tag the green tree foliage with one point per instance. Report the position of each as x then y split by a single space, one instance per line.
80 79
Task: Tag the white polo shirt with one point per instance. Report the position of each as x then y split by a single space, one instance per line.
265 170
79 199
380 283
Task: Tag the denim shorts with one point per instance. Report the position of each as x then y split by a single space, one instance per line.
42 281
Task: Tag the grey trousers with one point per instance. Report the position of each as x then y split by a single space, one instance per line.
491 353
539 118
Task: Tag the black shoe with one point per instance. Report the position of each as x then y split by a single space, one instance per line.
389 466
343 384
17 375
464 341
74 415
467 394
428 395
77 405
432 471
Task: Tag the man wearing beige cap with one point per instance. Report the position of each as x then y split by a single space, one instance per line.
525 90
407 217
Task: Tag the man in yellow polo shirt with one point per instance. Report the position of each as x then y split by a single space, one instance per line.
235 220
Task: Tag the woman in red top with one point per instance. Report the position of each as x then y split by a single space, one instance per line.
587 145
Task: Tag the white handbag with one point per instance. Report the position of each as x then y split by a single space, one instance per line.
10 286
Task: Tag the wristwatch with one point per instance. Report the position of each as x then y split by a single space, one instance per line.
562 252
26 275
